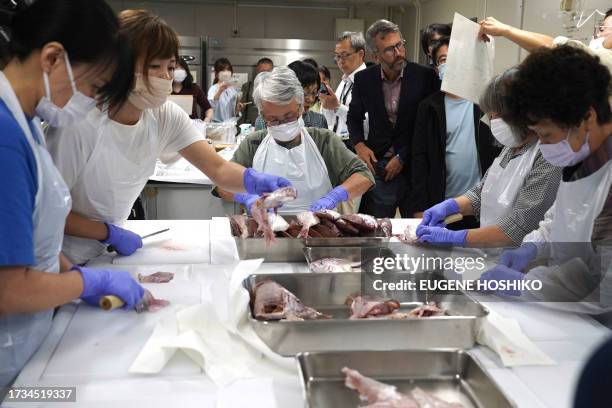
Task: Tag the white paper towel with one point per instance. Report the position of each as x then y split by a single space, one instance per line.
222 244
505 337
215 335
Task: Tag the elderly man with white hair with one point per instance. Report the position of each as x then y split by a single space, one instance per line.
324 172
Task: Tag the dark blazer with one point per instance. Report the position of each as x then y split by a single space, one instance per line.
429 151
418 82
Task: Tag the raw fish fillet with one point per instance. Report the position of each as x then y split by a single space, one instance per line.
274 302
381 395
273 200
363 307
239 225
362 221
150 303
306 219
330 215
157 277
326 265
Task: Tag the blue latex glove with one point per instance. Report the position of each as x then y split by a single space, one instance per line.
439 235
246 199
102 282
520 257
259 183
331 199
435 215
123 241
503 273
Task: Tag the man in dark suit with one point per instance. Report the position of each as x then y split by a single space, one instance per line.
390 93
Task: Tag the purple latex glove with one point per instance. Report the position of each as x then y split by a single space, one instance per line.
102 282
504 275
435 215
439 235
331 199
520 257
123 241
246 199
259 183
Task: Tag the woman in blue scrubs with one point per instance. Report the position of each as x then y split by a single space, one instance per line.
61 59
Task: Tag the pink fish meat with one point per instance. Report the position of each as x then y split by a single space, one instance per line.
363 222
150 303
364 307
157 277
327 265
380 395
274 302
306 219
273 200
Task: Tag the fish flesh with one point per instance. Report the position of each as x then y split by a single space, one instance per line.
380 395
385 228
239 226
409 236
150 303
346 227
273 200
363 222
330 215
427 310
363 307
306 219
327 265
157 277
334 230
274 302
376 393
277 222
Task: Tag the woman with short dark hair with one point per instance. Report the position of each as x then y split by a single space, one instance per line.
183 85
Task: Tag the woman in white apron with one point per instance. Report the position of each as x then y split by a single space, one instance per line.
571 115
287 149
222 95
39 80
514 194
107 159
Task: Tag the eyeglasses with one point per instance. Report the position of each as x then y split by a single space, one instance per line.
313 95
344 56
390 51
277 122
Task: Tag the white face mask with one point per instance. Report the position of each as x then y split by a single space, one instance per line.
441 71
597 43
180 75
561 154
144 98
287 131
503 133
225 76
76 108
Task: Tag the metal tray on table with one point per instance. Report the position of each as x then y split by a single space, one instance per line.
452 375
327 293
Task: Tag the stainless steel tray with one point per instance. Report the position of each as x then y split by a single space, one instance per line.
327 293
291 249
452 375
362 256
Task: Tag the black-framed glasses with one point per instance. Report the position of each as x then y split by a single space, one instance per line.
344 56
277 122
390 51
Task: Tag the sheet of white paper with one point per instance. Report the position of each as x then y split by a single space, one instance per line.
505 337
469 64
222 244
187 242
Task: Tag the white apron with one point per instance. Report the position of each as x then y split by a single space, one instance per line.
501 186
303 166
22 334
111 182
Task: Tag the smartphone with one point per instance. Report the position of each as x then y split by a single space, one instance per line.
323 89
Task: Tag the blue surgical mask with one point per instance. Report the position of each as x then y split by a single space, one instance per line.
561 154
441 71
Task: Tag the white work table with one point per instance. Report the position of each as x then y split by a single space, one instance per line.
92 349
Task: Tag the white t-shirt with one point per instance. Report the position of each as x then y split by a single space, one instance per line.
107 164
71 147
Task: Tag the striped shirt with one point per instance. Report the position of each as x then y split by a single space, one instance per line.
311 119
534 198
